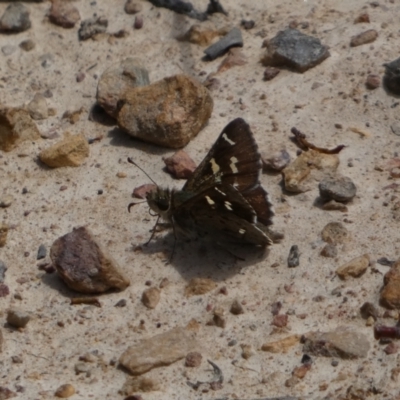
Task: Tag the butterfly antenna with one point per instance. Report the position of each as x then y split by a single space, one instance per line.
130 205
137 166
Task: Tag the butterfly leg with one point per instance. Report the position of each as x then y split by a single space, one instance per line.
174 246
153 231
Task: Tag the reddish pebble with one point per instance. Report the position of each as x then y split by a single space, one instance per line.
373 81
80 76
280 320
138 24
141 191
193 359
270 73
362 18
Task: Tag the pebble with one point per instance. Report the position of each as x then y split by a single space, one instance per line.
3 234
91 27
64 14
364 17
120 303
354 268
329 251
232 39
391 78
234 58
282 345
247 351
180 165
72 151
247 24
15 18
390 294
368 310
335 233
38 107
151 297
340 343
333 205
294 257
219 318
27 45
294 49
201 34
337 188
373 81
65 391
3 269
42 252
236 308
16 126
368 36
160 350
181 7
7 50
92 270
270 73
83 368
140 192
198 286
193 359
395 127
132 7
135 384
6 201
138 24
181 109
18 318
116 80
277 161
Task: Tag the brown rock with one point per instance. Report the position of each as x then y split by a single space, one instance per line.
201 34
64 14
70 152
151 297
343 343
329 250
270 73
301 371
18 318
219 318
16 126
132 7
83 264
281 346
311 161
193 359
368 36
65 391
135 384
390 295
335 233
180 165
280 320
373 81
355 267
74 115
116 80
168 113
160 350
236 308
38 107
3 234
199 286
364 17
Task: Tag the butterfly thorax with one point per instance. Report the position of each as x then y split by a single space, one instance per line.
160 201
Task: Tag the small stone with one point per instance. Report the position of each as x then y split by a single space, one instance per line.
180 165
120 303
3 234
390 294
138 24
200 34
391 348
160 350
294 49
16 126
333 205
280 320
373 81
278 161
18 318
116 80
193 359
6 393
15 18
391 78
80 76
6 200
64 14
395 127
199 286
121 174
65 391
140 192
91 27
8 50
151 297
69 152
294 257
338 188
3 269
282 345
27 45
270 73
83 368
135 384
83 264
341 343
368 36
247 24
335 233
74 115
132 7
42 251
364 17
38 107
168 113
301 371
247 351
329 251
354 268
369 310
234 58
4 290
236 308
219 318
232 39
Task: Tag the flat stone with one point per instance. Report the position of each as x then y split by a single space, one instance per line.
84 265
281 345
140 192
294 49
168 113
340 343
16 126
116 80
38 107
354 268
42 252
180 7
365 37
15 18
180 165
18 318
198 286
69 152
390 294
337 188
232 39
335 233
160 350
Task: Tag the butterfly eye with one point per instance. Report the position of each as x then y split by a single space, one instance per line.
163 204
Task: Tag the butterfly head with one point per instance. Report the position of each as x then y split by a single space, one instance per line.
159 200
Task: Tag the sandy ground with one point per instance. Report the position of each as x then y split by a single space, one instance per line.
49 352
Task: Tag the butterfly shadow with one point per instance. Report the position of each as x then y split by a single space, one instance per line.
204 259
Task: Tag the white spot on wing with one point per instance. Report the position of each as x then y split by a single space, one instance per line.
231 142
242 231
214 166
233 166
228 205
210 201
223 194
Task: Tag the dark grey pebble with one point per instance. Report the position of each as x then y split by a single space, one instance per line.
120 303
180 7
42 252
385 261
27 45
3 269
335 363
294 257
232 39
17 318
369 310
339 189
214 6
294 49
15 18
91 27
391 79
247 24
